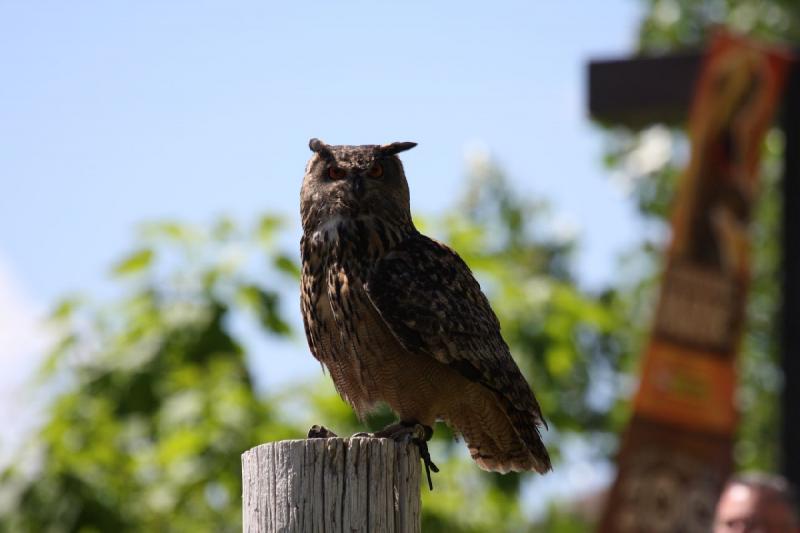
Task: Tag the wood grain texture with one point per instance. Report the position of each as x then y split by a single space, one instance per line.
331 485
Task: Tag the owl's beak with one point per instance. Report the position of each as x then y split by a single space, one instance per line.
357 185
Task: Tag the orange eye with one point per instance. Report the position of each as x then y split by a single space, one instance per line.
337 173
376 171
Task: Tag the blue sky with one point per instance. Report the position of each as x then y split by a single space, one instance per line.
112 113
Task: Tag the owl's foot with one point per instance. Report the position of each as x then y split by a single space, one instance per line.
320 432
416 433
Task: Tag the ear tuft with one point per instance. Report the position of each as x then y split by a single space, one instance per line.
321 148
395 148
316 145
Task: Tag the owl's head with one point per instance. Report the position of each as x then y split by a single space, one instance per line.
355 181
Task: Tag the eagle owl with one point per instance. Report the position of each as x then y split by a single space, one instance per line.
397 317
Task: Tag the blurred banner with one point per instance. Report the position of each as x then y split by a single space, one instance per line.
676 453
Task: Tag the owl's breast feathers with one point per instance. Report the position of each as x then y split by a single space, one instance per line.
427 297
341 325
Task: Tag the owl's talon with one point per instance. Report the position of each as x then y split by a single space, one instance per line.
426 460
418 434
320 432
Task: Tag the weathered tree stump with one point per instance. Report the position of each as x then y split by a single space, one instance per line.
331 485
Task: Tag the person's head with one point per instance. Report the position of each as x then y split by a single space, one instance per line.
757 503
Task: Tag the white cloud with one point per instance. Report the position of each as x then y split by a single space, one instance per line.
23 341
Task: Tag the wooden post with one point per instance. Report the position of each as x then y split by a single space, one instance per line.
790 290
332 485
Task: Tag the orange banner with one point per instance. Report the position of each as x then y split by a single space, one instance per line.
687 390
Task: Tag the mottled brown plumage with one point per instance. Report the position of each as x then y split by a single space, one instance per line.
398 318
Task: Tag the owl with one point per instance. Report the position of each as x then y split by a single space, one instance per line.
398 318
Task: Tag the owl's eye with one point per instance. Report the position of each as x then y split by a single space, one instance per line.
375 171
337 173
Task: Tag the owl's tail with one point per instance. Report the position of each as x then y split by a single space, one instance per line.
502 438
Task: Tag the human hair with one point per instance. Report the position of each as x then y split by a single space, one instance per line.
771 486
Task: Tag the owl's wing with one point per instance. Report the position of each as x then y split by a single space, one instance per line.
431 302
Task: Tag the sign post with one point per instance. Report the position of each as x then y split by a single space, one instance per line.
677 451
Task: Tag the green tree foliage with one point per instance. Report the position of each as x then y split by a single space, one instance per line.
154 401
153 394
685 24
